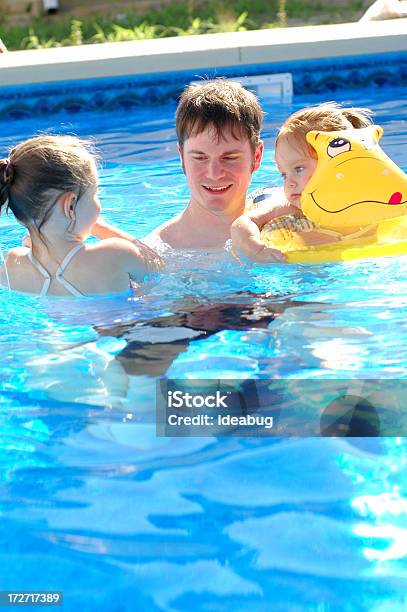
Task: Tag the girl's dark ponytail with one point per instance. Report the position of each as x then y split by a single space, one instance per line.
39 169
6 179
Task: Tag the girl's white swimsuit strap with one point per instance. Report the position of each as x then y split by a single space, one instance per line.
59 273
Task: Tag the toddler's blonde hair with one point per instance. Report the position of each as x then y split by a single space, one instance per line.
326 117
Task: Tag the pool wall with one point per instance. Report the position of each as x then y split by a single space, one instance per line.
124 75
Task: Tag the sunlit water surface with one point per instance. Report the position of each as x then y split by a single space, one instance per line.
94 504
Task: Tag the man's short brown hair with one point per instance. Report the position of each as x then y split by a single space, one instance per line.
220 104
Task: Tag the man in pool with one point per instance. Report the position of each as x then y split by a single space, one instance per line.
218 128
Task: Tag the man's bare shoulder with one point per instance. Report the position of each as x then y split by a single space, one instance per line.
167 227
191 230
172 232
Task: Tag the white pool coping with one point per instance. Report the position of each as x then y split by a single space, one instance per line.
200 52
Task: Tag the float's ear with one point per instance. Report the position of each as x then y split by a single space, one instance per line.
377 132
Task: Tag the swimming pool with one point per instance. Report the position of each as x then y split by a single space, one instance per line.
95 505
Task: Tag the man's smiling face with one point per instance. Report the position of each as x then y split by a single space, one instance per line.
219 170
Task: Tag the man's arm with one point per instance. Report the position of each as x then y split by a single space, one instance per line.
103 230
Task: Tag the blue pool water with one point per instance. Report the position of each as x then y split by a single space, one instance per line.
92 503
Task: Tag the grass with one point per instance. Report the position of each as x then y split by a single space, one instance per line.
179 19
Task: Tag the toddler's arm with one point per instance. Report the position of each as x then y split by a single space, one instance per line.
245 232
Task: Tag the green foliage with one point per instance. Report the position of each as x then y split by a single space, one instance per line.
32 41
179 19
230 23
76 34
119 33
223 23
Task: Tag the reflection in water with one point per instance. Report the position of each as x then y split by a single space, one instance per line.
153 345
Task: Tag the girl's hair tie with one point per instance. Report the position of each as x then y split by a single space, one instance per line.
7 171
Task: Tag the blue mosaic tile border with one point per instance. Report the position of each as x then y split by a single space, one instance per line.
104 94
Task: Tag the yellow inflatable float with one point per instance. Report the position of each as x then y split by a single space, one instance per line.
356 198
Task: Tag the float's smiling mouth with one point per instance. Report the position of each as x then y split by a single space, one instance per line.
395 199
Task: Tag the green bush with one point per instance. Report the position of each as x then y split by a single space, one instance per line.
178 19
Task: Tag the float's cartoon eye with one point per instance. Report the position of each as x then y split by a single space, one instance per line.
338 146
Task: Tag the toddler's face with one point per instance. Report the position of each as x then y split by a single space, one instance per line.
296 167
